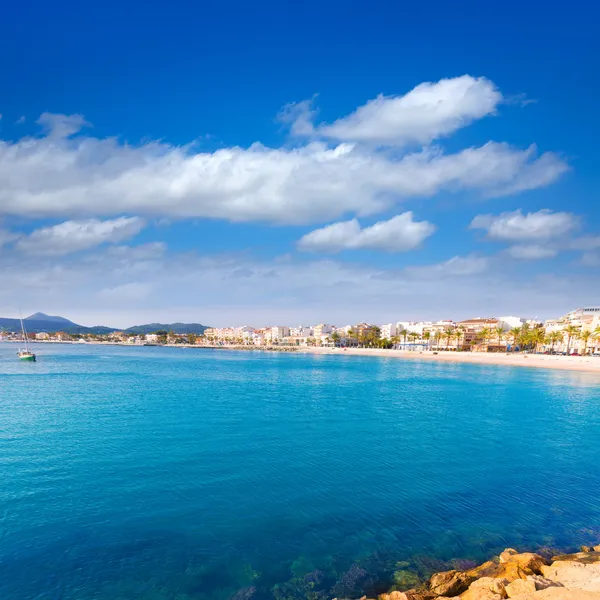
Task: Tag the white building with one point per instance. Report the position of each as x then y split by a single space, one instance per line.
388 331
301 331
508 323
322 330
278 332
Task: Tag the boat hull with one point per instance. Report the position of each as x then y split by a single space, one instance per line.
28 357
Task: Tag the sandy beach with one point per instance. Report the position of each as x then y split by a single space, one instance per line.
569 363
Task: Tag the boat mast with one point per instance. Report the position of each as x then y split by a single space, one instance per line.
24 334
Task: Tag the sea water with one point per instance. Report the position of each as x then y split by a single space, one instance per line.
171 473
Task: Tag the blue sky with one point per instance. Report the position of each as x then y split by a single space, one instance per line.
325 162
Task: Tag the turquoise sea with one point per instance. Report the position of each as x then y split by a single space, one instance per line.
166 473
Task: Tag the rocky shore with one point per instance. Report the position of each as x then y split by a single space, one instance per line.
518 576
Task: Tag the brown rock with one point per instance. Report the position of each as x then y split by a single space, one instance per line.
408 595
575 575
541 583
527 561
597 548
491 584
520 586
587 549
507 554
582 557
480 594
450 583
555 593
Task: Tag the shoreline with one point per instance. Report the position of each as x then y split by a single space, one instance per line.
514 575
588 364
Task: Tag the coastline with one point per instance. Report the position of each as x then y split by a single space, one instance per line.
514 575
589 364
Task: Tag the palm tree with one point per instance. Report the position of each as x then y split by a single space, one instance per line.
572 332
596 333
485 334
585 337
458 334
515 333
448 334
403 333
436 338
395 340
499 335
537 337
427 338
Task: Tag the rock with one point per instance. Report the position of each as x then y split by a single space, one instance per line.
244 594
508 571
582 557
587 549
574 575
491 584
408 595
541 583
520 586
450 583
406 579
526 560
507 554
394 596
597 548
555 593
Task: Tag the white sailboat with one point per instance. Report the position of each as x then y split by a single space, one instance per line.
25 354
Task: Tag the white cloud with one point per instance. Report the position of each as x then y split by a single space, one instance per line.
74 236
531 251
457 266
515 226
209 289
398 234
429 111
61 126
70 177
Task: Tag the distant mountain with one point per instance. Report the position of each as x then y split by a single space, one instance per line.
41 322
39 316
175 327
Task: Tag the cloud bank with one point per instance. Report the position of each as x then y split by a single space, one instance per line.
398 234
68 173
74 236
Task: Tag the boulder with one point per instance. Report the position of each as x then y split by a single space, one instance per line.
541 583
408 595
490 584
597 548
582 557
480 594
574 575
526 560
507 554
450 583
555 593
520 586
508 571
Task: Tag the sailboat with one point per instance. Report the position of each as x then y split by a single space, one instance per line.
25 354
